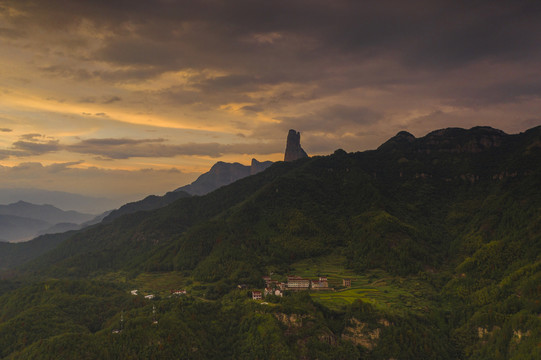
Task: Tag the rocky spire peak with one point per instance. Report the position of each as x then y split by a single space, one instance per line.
294 150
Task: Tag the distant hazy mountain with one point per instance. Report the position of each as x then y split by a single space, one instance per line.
59 199
221 174
60 228
46 213
17 228
97 219
22 221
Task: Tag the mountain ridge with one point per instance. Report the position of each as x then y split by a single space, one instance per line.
221 174
443 248
399 170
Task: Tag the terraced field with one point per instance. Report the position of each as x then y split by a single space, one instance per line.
384 291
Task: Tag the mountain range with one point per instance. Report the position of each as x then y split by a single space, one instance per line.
439 235
59 199
220 174
22 221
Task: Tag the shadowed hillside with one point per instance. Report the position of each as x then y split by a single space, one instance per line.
441 235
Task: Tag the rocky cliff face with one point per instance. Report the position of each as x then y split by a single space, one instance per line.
452 140
294 150
258 167
220 174
457 140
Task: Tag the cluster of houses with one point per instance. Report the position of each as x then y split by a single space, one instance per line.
294 283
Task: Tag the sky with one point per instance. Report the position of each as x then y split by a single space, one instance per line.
121 98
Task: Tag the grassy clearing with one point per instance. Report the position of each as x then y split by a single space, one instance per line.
331 266
391 295
160 283
386 292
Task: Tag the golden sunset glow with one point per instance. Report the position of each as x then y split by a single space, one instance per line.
109 90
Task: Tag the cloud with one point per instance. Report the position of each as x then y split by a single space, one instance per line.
248 63
125 148
252 108
30 145
104 100
30 137
499 93
60 167
68 176
129 148
71 72
5 130
261 49
28 148
88 100
11 33
116 142
333 119
112 99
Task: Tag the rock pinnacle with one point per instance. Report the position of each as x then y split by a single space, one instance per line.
294 150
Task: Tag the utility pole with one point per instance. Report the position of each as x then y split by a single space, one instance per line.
154 321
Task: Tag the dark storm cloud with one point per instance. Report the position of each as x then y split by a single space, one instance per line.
448 31
330 46
468 31
332 119
10 33
500 93
140 52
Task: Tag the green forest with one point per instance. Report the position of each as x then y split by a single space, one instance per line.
440 235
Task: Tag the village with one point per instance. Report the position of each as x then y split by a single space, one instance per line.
275 287
294 283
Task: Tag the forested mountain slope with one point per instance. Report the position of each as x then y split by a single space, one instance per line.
400 207
457 213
